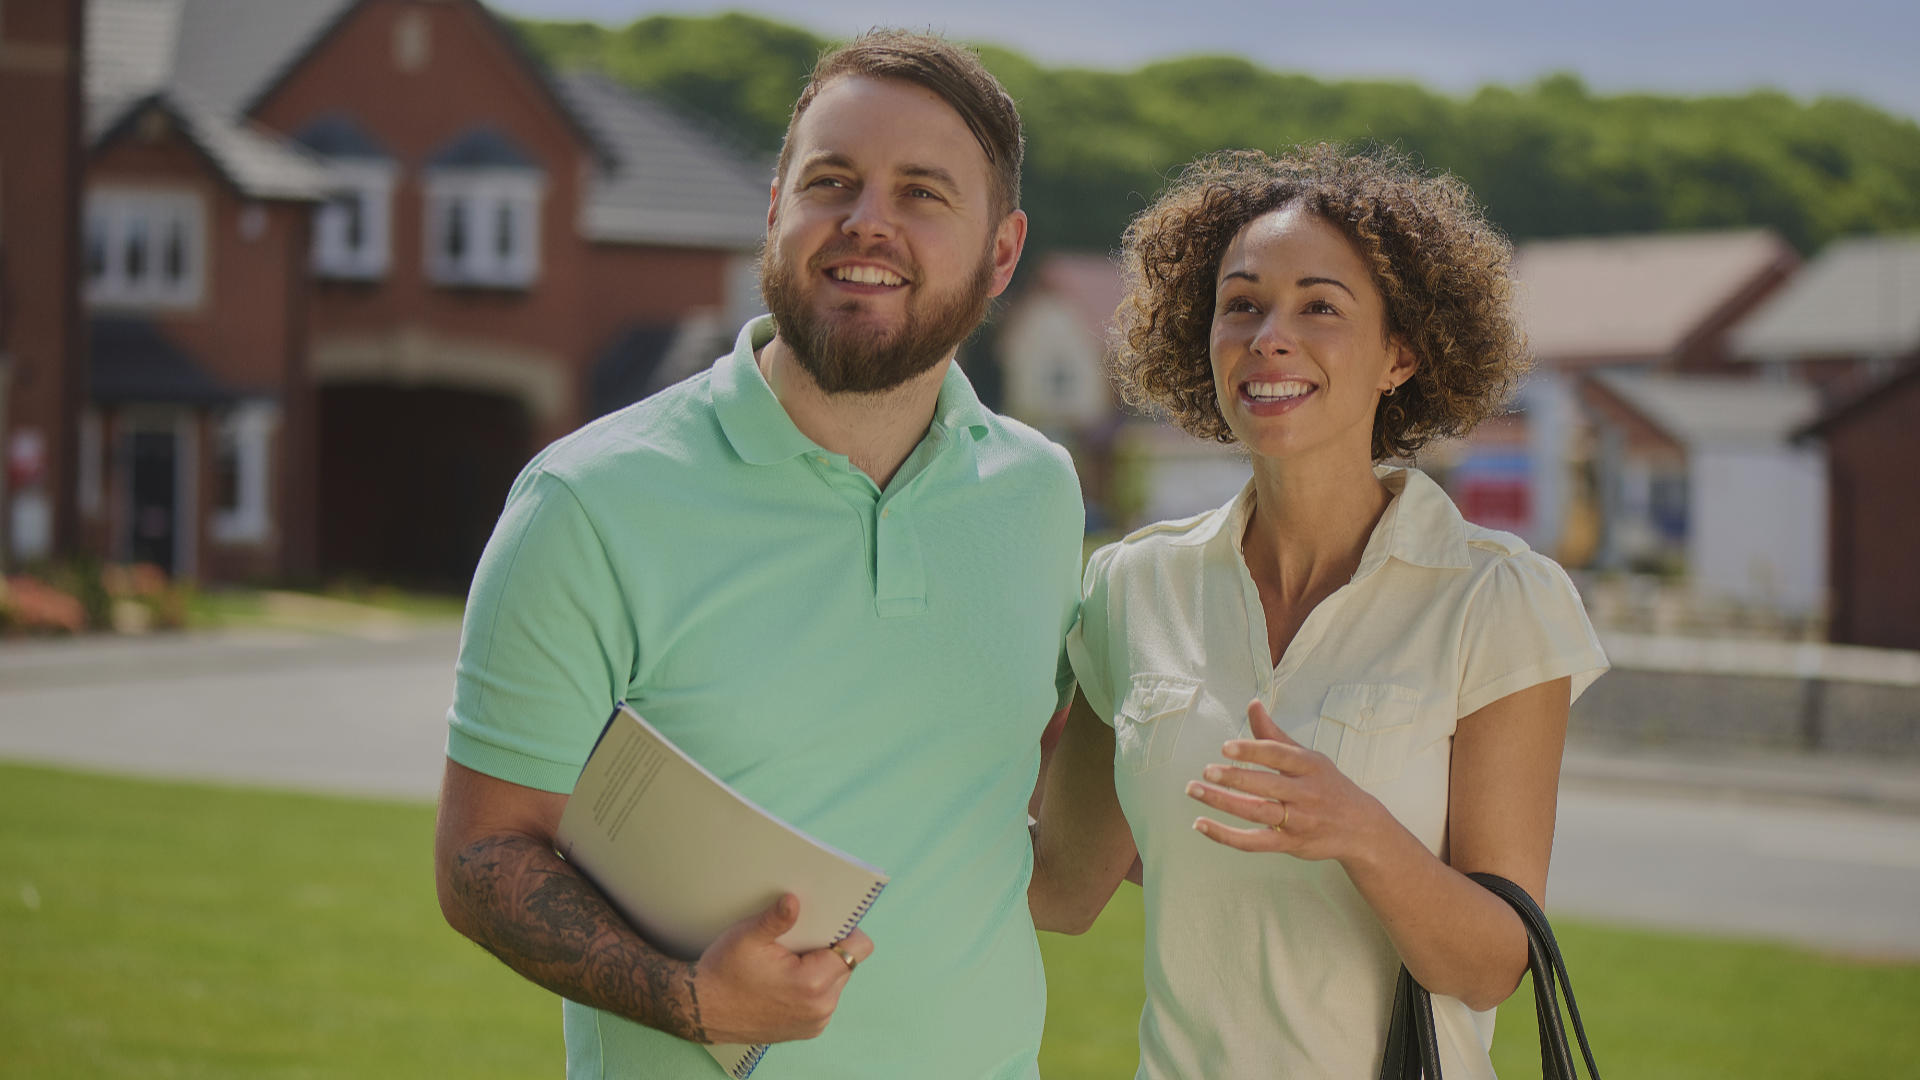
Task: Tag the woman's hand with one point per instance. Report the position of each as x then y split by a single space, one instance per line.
1299 802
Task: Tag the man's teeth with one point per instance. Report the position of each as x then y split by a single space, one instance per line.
866 275
1279 391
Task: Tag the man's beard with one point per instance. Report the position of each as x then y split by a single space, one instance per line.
847 358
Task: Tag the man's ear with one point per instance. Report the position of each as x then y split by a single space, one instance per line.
1009 240
773 202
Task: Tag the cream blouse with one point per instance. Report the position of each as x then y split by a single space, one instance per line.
1271 965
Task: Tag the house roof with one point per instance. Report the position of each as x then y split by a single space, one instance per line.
129 359
1636 298
625 370
1861 404
182 56
660 179
337 135
1858 298
669 182
481 147
259 163
1715 410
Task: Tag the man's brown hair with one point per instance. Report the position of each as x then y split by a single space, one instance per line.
951 71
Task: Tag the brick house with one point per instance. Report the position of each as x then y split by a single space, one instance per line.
348 263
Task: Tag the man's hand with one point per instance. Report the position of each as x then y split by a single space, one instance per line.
754 990
502 884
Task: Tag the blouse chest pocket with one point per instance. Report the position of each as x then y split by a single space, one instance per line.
1367 728
1149 719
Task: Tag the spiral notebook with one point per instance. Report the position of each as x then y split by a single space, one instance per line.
684 856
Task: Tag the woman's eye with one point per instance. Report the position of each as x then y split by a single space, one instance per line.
1237 303
1321 307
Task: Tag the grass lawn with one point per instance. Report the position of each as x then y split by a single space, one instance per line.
338 607
164 930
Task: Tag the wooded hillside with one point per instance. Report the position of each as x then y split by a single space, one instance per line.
1550 159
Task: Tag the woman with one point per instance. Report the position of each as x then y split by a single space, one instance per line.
1409 673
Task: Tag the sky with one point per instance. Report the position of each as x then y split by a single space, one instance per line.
1868 49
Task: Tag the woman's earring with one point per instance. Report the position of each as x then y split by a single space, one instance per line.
1390 390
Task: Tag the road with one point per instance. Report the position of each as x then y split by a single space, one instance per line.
1636 843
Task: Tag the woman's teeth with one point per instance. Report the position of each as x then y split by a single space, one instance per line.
1278 391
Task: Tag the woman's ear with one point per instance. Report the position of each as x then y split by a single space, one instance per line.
1401 364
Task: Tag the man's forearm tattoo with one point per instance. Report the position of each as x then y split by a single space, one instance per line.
545 921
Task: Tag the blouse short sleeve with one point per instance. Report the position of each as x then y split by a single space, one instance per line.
1090 641
1524 626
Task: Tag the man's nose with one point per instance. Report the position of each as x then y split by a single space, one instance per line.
870 217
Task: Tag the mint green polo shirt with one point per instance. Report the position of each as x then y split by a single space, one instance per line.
875 667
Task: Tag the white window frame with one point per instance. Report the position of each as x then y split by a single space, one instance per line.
480 196
249 429
114 215
371 182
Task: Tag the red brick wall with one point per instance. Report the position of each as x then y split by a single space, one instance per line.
40 327
245 332
584 293
238 332
469 77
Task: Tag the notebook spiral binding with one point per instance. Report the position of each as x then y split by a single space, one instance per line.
853 918
746 1064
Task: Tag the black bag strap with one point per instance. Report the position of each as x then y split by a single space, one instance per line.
1413 1051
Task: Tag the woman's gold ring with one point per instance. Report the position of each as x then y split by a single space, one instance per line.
844 955
1285 812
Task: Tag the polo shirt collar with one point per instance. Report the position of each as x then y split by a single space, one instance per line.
762 433
1420 526
754 421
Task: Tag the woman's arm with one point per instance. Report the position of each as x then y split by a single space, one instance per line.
1456 938
1082 847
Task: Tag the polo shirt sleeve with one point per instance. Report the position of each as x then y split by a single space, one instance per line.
547 646
1090 642
1524 626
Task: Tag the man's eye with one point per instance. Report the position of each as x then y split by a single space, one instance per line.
922 193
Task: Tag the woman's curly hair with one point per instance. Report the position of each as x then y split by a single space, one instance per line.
1443 269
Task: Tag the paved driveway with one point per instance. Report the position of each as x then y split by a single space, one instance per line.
1755 848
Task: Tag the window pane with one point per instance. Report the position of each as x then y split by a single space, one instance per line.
136 249
226 472
96 247
353 211
503 236
174 260
456 230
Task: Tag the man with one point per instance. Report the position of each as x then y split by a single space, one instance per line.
832 577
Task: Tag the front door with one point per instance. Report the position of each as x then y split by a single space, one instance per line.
154 476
